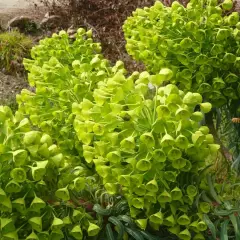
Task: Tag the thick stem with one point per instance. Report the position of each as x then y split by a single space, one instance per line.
209 122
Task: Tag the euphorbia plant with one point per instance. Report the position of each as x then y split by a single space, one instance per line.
200 43
87 125
45 188
40 186
150 149
62 71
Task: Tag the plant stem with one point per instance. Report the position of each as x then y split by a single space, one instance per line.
209 122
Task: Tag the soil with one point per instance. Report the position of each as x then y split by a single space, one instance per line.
9 87
12 85
14 8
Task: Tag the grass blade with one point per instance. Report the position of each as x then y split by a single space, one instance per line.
224 233
134 234
109 232
210 225
119 225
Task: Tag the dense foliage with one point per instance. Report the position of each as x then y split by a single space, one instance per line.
62 72
105 17
96 153
49 177
199 43
223 219
35 172
151 150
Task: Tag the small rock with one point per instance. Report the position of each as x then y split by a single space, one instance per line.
51 22
23 23
47 15
48 33
37 39
72 32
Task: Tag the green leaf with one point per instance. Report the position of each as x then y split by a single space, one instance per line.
212 190
109 232
234 221
210 225
125 219
101 211
119 226
224 230
148 236
134 234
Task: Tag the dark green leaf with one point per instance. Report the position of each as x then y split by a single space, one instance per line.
210 225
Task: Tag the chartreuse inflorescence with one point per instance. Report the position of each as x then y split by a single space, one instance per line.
87 126
148 149
62 72
40 162
200 43
35 178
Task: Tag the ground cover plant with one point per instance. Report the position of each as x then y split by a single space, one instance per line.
14 47
97 153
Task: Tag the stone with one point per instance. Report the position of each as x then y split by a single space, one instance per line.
72 32
23 24
51 22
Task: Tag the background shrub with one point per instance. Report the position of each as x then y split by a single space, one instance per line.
14 46
198 43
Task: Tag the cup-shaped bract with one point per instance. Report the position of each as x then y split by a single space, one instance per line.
36 223
93 229
76 232
63 194
19 175
156 218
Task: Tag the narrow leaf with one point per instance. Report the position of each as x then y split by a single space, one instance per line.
224 233
119 225
210 225
136 235
109 232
